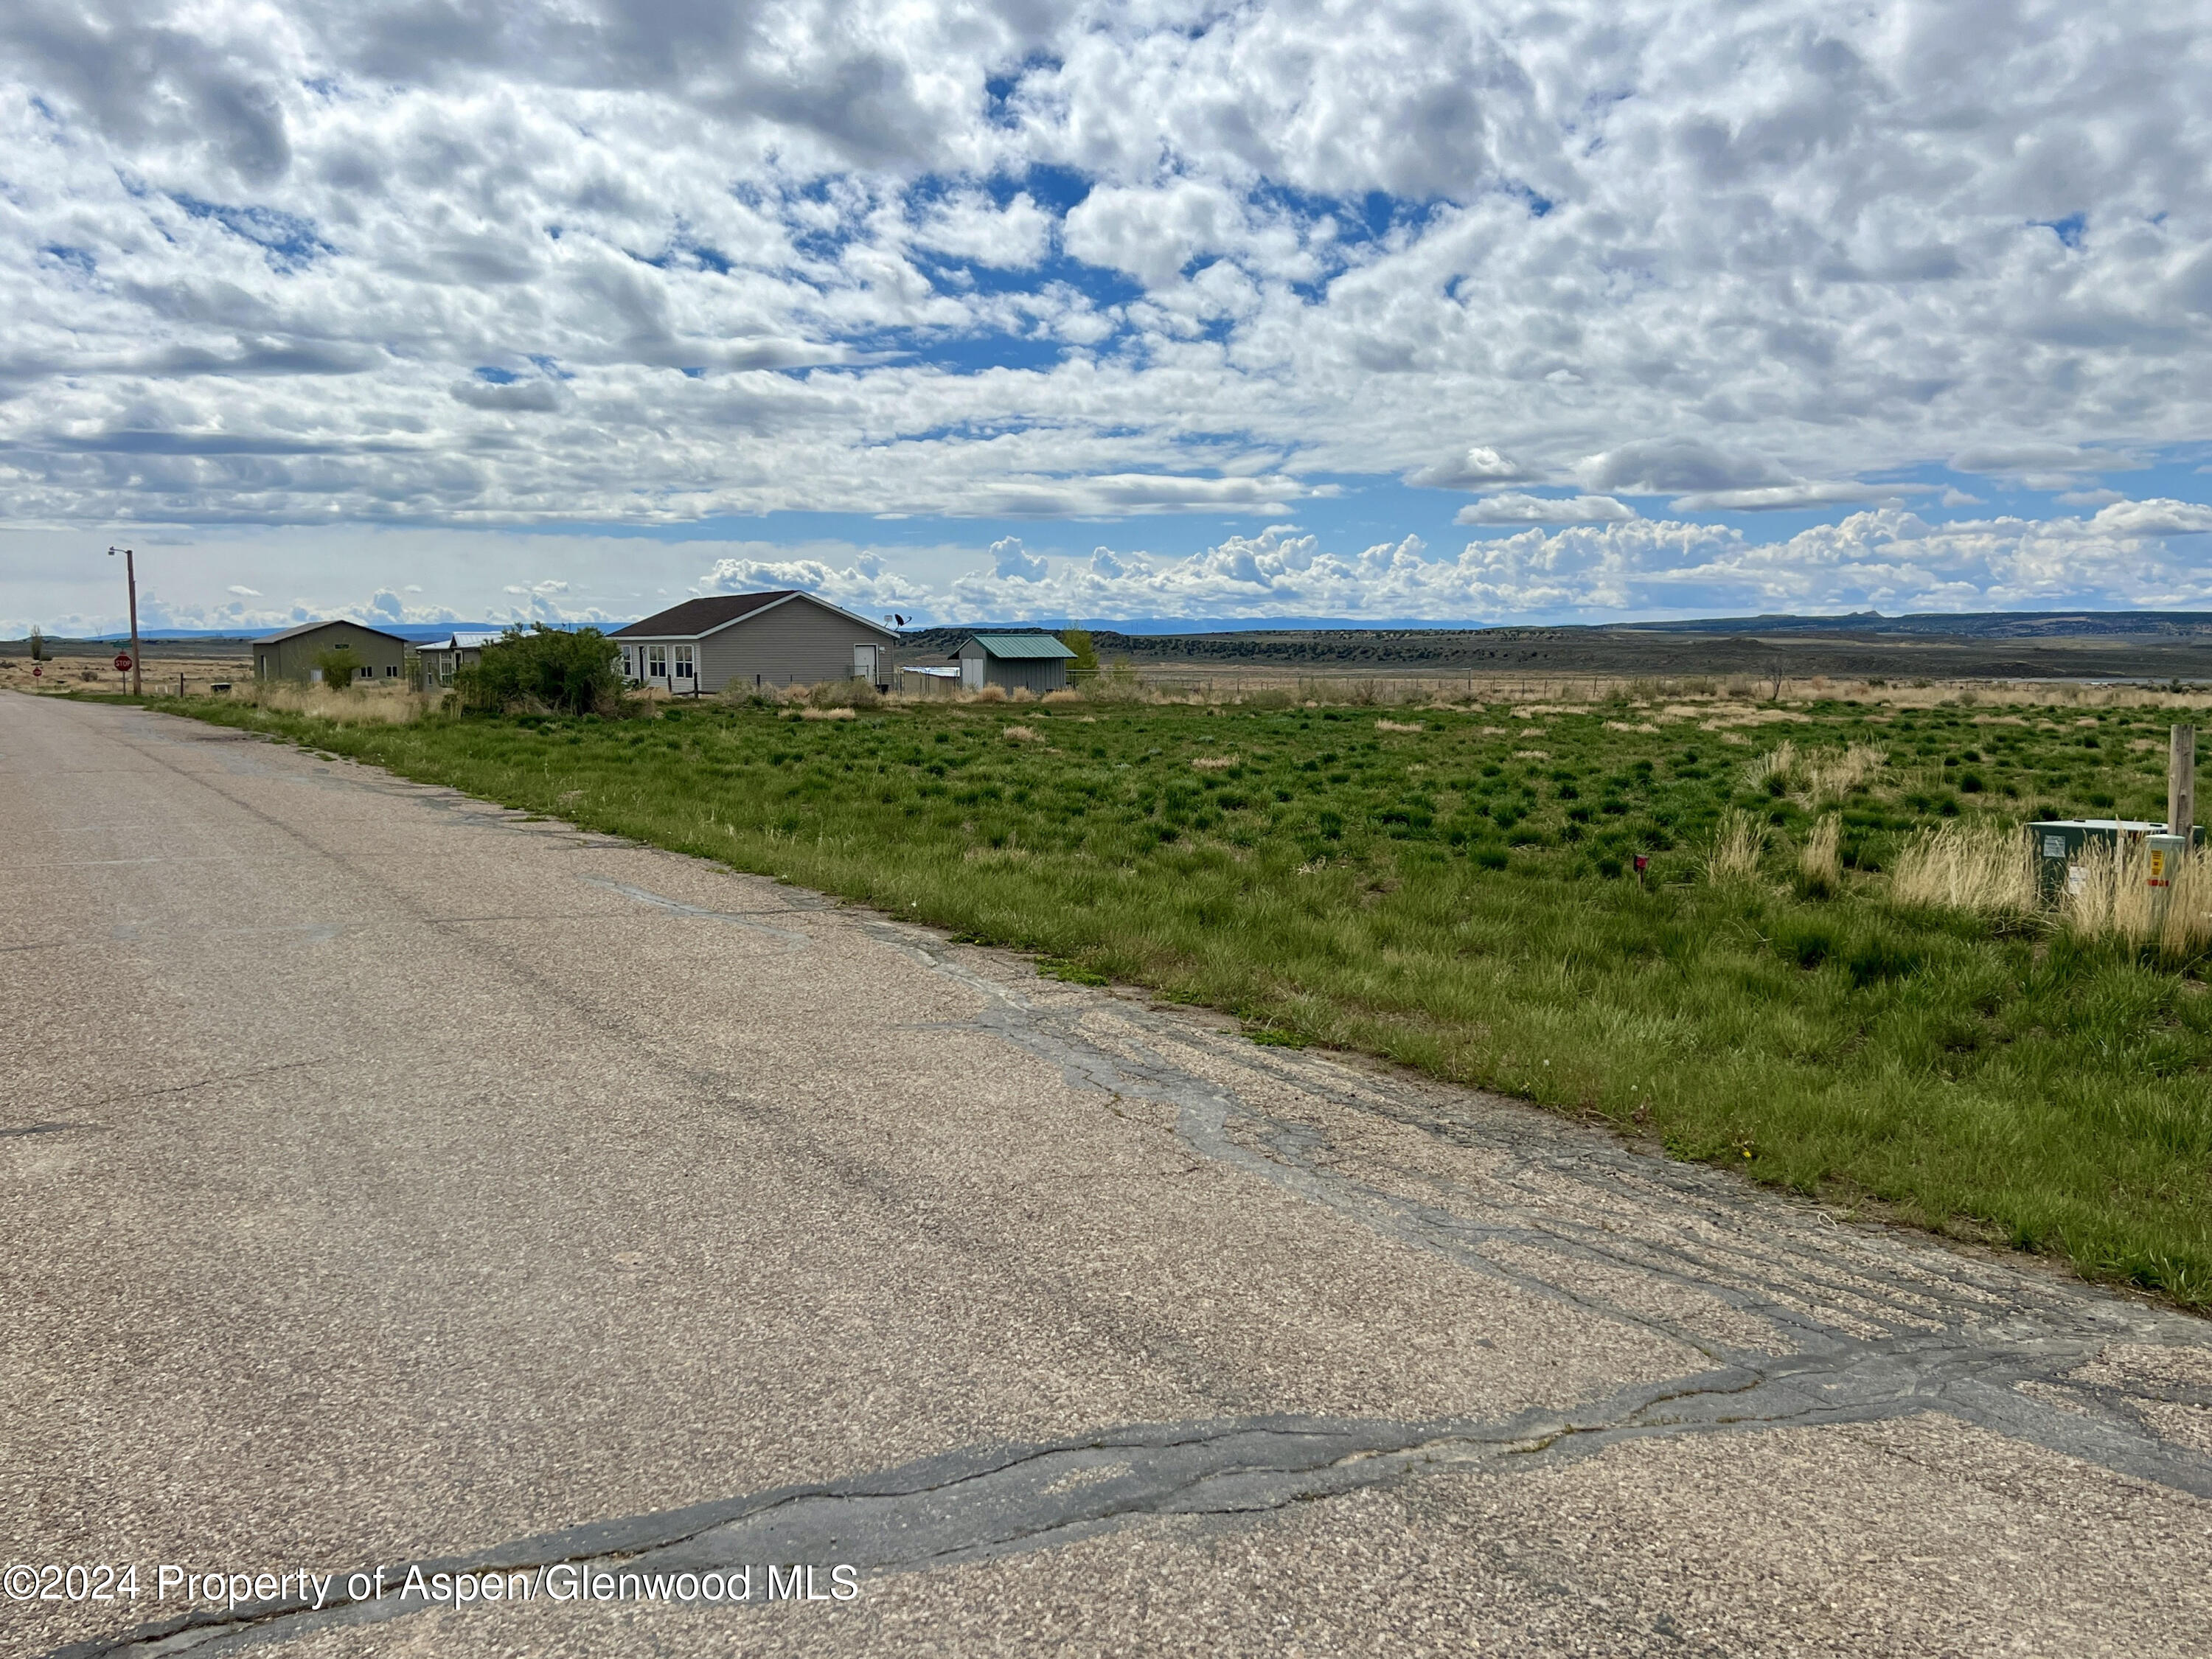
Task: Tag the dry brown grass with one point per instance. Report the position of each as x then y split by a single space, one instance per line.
1815 776
1737 844
2185 930
378 705
1721 719
1214 763
1779 762
2109 896
1020 734
1829 776
846 713
1397 725
1820 860
1986 868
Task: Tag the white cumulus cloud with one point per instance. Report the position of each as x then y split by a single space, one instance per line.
1513 507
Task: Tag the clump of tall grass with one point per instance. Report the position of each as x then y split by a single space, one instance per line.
1985 868
1118 682
2109 895
1831 777
1737 844
2186 931
376 705
841 694
1822 775
1820 860
1779 762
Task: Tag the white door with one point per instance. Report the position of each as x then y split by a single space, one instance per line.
971 673
864 663
656 665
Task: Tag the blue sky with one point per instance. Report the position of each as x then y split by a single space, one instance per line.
1537 313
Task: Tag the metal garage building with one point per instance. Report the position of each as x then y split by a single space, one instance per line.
1032 660
754 639
291 655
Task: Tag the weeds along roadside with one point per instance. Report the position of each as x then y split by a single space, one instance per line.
1828 975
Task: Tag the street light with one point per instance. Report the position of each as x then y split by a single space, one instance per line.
131 575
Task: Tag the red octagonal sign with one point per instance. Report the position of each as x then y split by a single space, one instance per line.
122 662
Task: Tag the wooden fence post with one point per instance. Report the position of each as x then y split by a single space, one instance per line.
2181 780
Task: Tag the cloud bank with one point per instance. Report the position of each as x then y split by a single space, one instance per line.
2132 553
607 263
605 260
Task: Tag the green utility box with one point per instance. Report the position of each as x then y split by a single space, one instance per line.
2058 843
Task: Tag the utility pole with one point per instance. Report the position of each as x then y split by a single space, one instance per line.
131 576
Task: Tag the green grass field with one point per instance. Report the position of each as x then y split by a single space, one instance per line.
1455 890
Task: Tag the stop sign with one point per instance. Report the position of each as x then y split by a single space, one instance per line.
37 671
122 662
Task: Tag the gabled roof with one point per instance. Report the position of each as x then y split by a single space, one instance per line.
1034 644
694 617
309 628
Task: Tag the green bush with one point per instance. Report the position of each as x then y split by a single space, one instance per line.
339 665
545 669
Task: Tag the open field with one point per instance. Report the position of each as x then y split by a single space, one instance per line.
78 664
1451 888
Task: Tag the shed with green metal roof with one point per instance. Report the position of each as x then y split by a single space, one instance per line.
1029 660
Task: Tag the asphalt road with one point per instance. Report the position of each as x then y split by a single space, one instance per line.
392 1179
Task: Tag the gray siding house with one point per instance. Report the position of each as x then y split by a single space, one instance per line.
441 659
745 640
1032 661
290 655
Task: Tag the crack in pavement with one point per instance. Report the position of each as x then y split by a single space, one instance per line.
1855 1323
976 1504
792 938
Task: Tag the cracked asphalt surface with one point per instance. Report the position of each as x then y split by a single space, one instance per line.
391 1178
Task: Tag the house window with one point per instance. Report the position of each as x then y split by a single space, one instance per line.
656 662
391 670
682 662
629 663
